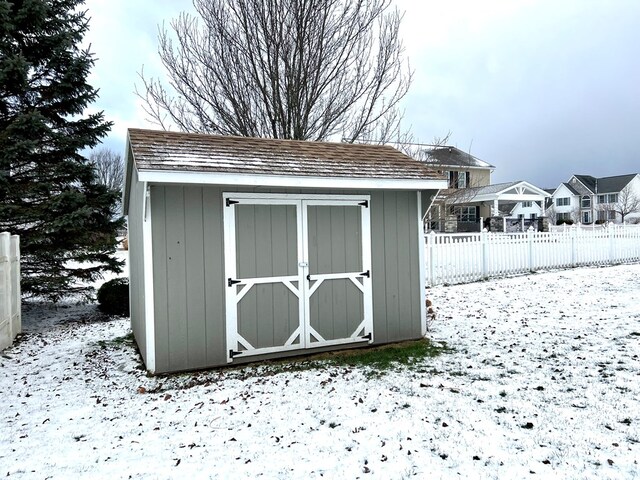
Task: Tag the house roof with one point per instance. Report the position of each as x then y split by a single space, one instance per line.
447 156
605 184
505 192
569 187
188 152
495 188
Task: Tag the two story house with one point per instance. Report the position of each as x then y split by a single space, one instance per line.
470 195
588 199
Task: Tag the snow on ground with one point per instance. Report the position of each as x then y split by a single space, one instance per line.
544 382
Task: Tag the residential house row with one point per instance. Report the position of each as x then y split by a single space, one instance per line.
470 196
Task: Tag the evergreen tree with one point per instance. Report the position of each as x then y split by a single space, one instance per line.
48 191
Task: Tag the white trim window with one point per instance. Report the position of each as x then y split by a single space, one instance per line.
585 201
526 204
563 216
608 198
457 179
465 214
563 202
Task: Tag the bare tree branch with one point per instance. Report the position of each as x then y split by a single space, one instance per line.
297 69
108 167
628 202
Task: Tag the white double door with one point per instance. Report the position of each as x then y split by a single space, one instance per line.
298 272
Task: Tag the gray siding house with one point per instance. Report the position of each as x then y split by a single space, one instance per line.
244 249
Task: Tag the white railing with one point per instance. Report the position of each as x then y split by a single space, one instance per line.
460 258
10 311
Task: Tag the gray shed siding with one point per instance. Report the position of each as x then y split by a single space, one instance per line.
395 266
189 283
136 263
188 276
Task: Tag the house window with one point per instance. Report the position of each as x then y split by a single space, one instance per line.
462 180
465 214
533 216
608 198
458 179
586 202
563 216
526 204
606 215
563 201
520 216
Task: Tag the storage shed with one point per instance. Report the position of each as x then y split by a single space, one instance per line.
244 249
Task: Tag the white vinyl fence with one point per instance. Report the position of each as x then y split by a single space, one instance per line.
460 258
10 313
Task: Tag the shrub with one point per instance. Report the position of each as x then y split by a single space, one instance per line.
113 297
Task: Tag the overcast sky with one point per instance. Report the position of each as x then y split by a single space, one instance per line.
540 89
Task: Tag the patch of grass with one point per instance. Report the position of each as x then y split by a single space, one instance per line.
118 341
390 356
373 362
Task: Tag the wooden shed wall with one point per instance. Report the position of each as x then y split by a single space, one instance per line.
189 283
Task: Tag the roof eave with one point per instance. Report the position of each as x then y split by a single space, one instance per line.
223 178
449 165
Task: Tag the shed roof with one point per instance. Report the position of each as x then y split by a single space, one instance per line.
190 152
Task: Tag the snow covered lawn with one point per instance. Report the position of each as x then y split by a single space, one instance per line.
544 382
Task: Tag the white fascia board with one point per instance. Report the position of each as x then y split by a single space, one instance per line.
458 167
505 197
211 178
533 190
521 197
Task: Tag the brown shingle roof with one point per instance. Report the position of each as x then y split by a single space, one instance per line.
188 152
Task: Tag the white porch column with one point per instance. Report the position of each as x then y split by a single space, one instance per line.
495 211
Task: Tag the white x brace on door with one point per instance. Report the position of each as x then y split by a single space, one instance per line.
298 272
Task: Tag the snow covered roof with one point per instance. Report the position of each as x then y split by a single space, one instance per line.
447 156
510 191
188 152
193 158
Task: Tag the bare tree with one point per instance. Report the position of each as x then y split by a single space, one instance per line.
109 167
296 69
628 202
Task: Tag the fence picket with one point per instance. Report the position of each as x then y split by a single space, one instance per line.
458 258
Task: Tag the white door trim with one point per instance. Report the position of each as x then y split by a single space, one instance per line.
305 289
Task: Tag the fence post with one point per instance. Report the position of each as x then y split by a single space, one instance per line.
6 337
16 298
485 260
